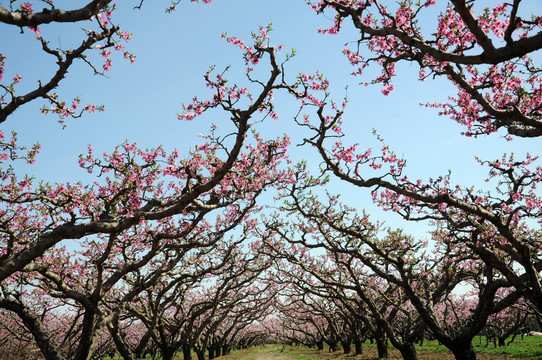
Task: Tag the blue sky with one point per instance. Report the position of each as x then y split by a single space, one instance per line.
174 51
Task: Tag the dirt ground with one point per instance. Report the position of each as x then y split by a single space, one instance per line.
273 353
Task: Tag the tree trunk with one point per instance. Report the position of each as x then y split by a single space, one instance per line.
143 344
320 345
218 351
347 346
463 351
88 336
187 352
211 353
36 328
200 354
408 351
421 338
120 344
382 348
358 346
167 353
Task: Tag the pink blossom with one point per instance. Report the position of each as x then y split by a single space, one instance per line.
90 108
387 89
26 8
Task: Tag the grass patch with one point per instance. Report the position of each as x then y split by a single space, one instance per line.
295 353
243 354
530 346
431 346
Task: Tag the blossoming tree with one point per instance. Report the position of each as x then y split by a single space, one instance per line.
81 245
488 55
81 252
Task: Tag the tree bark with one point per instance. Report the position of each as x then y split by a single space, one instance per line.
187 352
119 344
463 351
347 346
200 354
35 326
408 351
320 345
87 338
333 346
167 353
358 346
382 348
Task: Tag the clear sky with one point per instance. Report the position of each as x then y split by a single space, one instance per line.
173 52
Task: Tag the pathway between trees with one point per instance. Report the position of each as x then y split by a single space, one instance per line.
267 355
259 353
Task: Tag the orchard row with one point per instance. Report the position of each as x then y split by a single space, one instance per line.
164 252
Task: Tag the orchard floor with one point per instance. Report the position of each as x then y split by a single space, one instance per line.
273 352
